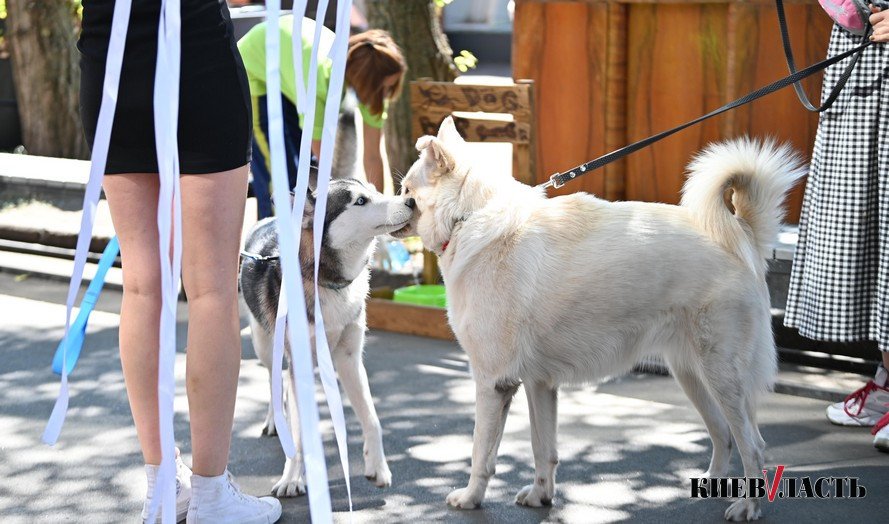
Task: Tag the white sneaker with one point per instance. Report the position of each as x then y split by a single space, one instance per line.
218 500
183 490
881 434
865 406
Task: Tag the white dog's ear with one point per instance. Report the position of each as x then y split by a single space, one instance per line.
447 132
437 153
423 142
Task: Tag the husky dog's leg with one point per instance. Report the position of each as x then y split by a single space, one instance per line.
491 407
717 425
542 403
292 482
350 368
735 396
262 346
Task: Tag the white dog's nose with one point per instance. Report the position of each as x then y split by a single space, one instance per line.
411 203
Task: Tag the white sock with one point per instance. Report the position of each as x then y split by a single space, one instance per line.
882 376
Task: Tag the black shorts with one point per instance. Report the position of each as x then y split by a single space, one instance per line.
215 117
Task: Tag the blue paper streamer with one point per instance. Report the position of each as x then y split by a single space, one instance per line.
73 342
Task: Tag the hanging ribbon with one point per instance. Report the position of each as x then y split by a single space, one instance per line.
299 12
332 103
69 348
169 225
297 323
120 20
328 138
284 434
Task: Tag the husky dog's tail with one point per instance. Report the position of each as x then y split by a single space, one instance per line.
759 175
345 152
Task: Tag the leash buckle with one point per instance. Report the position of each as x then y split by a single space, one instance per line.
554 181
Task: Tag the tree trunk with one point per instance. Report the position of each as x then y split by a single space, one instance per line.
42 35
415 26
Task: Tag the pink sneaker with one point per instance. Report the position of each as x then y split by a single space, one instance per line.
865 406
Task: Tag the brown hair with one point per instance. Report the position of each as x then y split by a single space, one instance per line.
372 57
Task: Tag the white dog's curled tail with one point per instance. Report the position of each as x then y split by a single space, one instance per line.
759 173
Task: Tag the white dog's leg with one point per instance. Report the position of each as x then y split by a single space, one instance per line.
542 404
292 482
491 407
717 425
733 395
350 368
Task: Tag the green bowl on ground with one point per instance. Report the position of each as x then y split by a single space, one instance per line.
422 295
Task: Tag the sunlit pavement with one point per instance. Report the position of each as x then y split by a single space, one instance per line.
627 448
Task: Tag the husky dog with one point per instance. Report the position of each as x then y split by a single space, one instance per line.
593 286
356 214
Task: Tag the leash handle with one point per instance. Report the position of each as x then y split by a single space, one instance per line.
558 180
791 65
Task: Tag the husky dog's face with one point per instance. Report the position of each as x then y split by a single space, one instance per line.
435 182
356 213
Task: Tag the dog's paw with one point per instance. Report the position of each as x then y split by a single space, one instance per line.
378 473
464 499
292 482
533 495
289 488
269 430
743 510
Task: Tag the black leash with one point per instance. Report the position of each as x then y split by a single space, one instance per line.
798 87
558 180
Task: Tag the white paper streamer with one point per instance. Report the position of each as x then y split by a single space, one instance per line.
332 103
281 424
297 324
328 138
284 434
169 224
119 22
299 12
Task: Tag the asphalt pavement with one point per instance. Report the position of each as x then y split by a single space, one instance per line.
627 447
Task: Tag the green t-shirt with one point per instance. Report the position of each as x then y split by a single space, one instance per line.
252 48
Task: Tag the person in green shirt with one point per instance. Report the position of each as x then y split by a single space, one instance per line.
375 69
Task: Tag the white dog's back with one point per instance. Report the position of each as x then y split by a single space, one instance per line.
623 267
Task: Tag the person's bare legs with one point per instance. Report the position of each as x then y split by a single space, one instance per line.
212 218
132 199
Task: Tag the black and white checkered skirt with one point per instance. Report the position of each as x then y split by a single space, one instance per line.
839 286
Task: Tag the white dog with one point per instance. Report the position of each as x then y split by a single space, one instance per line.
593 286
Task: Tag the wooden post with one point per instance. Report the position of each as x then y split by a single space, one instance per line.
524 154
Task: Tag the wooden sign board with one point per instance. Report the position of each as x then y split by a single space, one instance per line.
475 129
499 114
446 97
